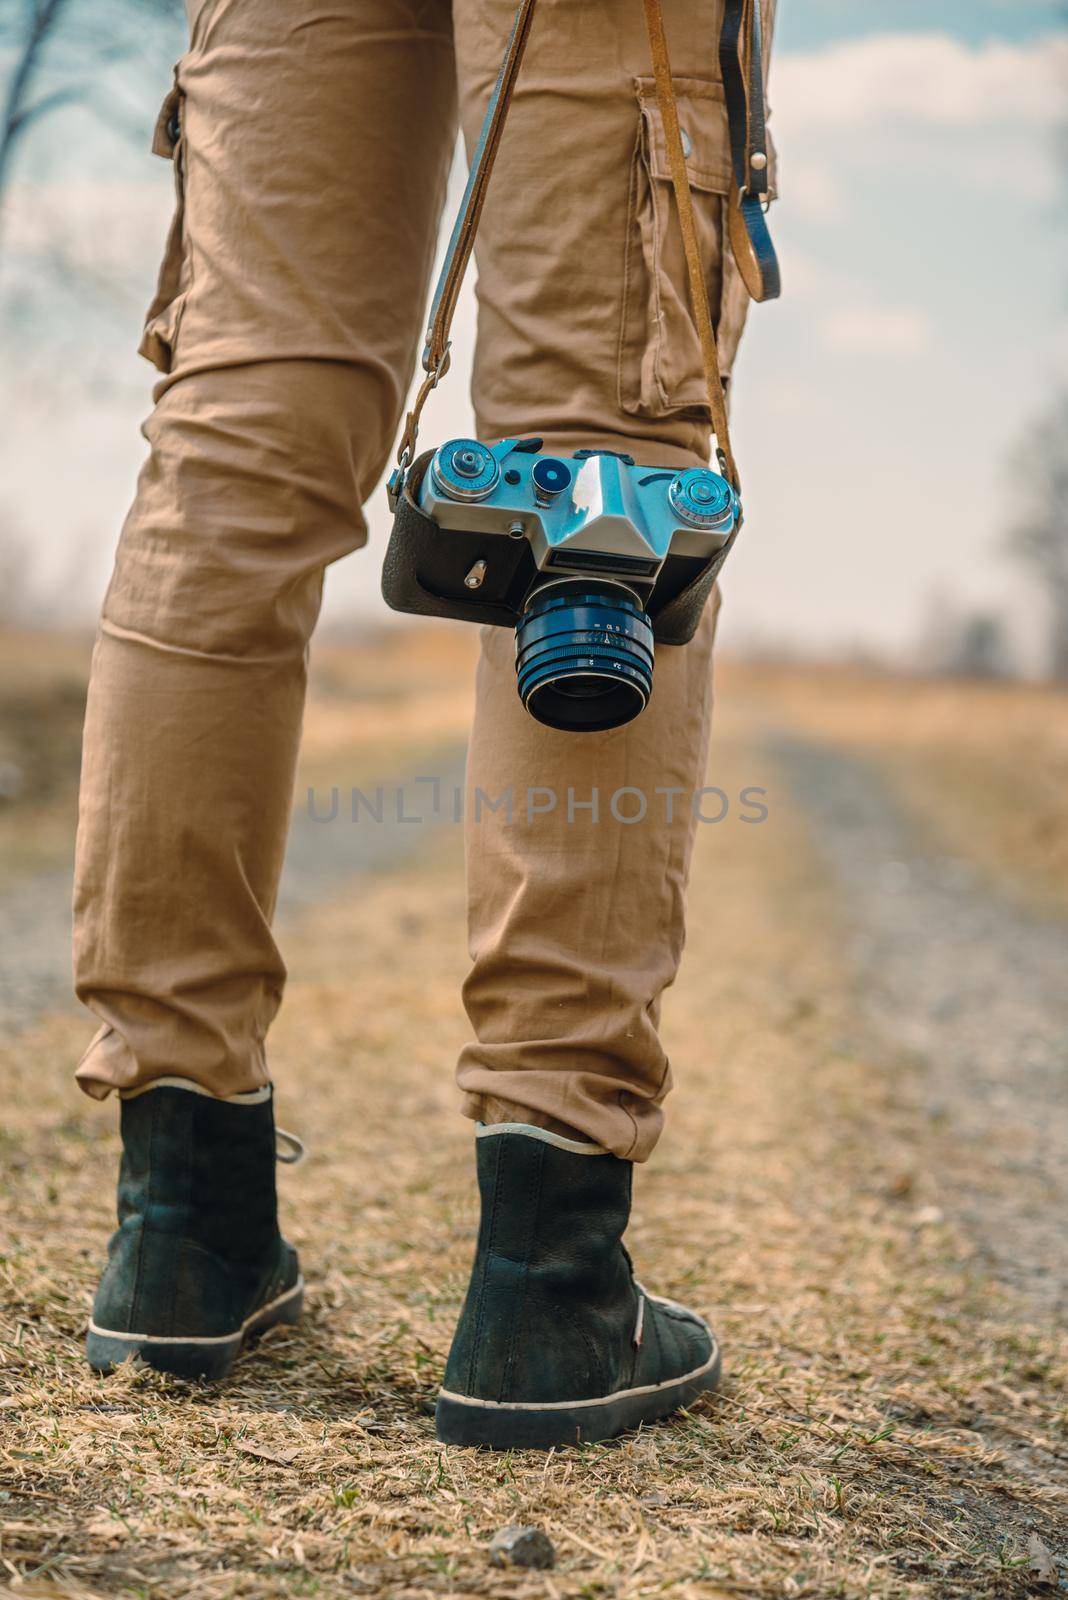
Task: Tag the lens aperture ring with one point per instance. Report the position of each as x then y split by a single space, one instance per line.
591 623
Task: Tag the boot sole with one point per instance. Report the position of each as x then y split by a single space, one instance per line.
188 1356
495 1425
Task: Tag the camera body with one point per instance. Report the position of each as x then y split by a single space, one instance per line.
589 557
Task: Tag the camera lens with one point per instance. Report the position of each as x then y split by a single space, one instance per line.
584 657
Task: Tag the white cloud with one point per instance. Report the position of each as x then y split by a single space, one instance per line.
877 330
814 190
789 396
925 78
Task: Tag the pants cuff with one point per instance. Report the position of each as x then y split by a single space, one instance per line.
628 1131
109 1066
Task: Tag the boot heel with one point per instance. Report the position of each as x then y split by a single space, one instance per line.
197 1266
557 1343
207 1358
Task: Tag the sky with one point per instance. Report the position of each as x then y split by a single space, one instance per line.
876 405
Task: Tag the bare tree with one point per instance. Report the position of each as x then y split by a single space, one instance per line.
57 49
960 641
41 18
1039 538
980 648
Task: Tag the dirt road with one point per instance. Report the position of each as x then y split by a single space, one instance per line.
973 987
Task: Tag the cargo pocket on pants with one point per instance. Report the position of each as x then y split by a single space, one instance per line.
164 316
660 369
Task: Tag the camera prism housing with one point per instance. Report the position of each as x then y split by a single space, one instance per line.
590 557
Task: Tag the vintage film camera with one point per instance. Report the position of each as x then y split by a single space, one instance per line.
589 557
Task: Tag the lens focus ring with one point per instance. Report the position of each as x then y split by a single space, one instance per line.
584 658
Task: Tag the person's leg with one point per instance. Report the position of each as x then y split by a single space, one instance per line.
586 339
312 144
314 148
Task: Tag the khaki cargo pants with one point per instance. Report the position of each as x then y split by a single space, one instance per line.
311 142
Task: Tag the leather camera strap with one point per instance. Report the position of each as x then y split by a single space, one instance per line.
680 179
749 237
461 243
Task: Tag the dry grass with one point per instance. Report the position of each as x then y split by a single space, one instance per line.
42 700
889 1426
984 766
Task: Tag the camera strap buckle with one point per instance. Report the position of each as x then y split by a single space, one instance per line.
406 449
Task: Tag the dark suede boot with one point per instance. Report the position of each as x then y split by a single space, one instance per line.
197 1265
557 1343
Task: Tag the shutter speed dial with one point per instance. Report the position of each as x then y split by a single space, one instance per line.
702 498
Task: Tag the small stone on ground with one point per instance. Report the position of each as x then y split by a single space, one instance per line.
522 1547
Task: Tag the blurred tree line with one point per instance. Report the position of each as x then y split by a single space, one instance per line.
1038 535
108 59
976 642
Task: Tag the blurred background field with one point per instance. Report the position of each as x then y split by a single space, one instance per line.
983 762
